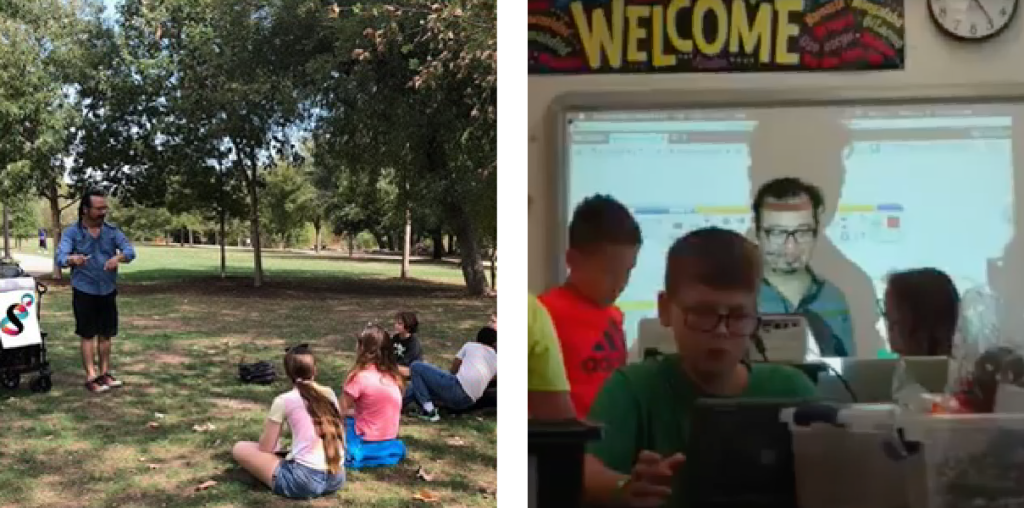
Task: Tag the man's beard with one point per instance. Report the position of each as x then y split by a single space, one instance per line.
784 267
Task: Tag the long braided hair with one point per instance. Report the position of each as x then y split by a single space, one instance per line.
301 368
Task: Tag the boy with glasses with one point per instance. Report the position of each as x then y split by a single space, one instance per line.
709 301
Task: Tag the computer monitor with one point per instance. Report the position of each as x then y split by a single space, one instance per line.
740 455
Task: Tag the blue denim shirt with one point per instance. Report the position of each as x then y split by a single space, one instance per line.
91 278
824 305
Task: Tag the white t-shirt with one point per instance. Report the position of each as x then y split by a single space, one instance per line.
479 366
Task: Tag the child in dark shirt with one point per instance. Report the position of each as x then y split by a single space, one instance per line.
407 346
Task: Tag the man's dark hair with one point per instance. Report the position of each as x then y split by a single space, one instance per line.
86 201
487 336
788 188
713 257
929 308
601 220
409 321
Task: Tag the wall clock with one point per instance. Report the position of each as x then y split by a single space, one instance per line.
972 20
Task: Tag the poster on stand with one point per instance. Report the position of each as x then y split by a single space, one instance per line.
686 36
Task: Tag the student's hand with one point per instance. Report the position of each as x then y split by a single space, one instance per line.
77 259
650 484
111 264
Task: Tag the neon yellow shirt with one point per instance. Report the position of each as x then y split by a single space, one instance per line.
547 373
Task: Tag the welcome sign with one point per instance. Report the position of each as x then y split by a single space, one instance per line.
674 36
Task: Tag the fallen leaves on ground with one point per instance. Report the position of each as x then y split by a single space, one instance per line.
153 425
456 441
422 474
205 485
426 496
206 427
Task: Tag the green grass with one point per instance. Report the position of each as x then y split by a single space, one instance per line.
183 331
163 263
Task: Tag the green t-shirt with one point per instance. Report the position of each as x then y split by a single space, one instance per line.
646 406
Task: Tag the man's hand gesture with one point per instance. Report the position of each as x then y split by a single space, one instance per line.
77 259
111 264
650 484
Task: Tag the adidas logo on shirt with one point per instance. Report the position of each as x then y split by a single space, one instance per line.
608 352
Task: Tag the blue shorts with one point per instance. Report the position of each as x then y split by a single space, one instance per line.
296 481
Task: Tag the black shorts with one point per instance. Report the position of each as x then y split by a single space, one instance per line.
95 316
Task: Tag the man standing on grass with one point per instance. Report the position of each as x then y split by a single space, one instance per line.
94 249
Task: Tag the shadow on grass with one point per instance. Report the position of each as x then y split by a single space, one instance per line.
438 450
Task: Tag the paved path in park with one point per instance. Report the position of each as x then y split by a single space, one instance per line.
34 265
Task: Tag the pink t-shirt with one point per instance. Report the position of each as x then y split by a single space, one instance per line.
378 407
307 447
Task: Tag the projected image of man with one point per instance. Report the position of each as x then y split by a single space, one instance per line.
787 220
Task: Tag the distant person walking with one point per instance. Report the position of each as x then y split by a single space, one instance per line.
94 249
42 239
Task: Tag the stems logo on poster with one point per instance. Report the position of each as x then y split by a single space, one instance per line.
646 36
13 322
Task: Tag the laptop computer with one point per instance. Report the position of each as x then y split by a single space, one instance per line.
871 379
740 455
786 339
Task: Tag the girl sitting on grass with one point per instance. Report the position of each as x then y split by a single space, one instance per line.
314 466
373 398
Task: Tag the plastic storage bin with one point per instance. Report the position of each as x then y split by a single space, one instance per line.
967 461
848 466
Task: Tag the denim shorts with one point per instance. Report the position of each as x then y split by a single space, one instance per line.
296 481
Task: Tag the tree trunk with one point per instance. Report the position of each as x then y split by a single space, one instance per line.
254 221
191 239
471 258
7 234
223 247
53 197
406 244
494 269
316 235
381 241
437 238
452 245
392 247
181 239
351 245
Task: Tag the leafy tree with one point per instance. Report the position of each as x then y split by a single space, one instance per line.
52 47
288 203
421 101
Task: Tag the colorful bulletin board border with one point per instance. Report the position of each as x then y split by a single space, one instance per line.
676 36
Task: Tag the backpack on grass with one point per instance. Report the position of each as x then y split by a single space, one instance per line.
261 373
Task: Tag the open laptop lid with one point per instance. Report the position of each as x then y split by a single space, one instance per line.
786 338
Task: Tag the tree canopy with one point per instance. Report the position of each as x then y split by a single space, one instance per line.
352 117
